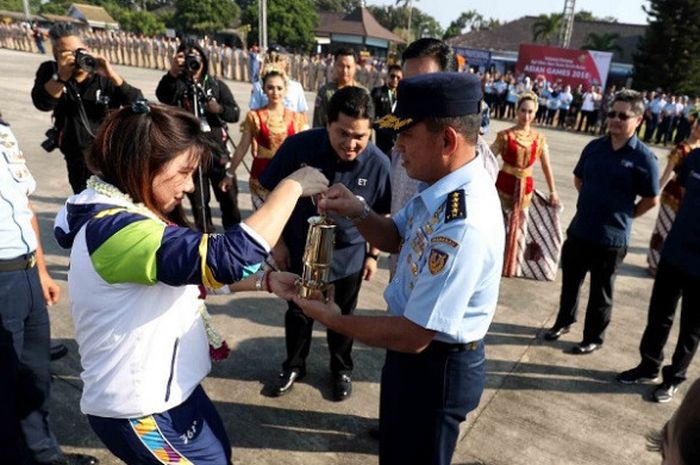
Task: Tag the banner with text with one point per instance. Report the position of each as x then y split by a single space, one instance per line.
571 66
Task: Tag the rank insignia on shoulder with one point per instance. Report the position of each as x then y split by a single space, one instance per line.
455 207
444 240
436 261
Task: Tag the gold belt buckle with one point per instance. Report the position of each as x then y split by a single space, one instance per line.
32 261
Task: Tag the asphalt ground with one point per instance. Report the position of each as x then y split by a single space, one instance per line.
541 405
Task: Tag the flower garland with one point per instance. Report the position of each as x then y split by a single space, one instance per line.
218 348
125 200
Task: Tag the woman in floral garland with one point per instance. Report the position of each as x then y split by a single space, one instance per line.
671 195
268 127
521 147
137 277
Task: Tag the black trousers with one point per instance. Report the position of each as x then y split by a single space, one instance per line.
669 285
25 378
652 123
579 257
228 201
78 172
298 327
561 119
424 397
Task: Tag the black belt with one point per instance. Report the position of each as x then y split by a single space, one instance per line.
439 347
23 262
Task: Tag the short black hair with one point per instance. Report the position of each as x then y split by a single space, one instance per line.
351 101
632 97
394 67
434 48
61 30
345 52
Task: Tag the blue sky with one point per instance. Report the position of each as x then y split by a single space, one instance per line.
626 11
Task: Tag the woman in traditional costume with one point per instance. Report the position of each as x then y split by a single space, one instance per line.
265 130
138 276
533 237
671 195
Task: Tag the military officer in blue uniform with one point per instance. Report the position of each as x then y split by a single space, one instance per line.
450 239
25 289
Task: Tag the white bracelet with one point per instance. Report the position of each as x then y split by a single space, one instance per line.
259 276
229 175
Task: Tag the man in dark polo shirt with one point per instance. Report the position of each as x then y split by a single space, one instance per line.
612 172
342 151
678 275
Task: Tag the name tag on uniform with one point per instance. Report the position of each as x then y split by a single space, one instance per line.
14 157
627 163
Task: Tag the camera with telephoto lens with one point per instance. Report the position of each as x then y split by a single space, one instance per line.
51 142
85 61
193 61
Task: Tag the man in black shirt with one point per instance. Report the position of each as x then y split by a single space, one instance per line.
214 105
80 87
343 152
384 99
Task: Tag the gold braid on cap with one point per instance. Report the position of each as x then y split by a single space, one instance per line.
529 95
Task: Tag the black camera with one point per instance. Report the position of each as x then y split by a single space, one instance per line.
51 142
193 61
85 61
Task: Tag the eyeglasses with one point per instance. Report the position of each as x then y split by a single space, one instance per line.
622 116
394 76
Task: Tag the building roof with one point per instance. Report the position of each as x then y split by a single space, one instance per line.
96 16
509 36
360 23
63 19
18 15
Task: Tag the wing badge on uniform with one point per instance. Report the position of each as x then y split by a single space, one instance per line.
436 261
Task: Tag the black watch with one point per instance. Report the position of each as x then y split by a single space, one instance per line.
58 79
374 256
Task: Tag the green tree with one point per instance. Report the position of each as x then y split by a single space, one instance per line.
289 22
142 22
17 5
336 6
471 20
604 42
395 19
205 16
668 55
585 15
55 7
546 27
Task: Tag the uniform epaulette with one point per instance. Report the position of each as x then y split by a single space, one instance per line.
455 207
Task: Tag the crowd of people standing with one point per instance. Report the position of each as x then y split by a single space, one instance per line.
449 236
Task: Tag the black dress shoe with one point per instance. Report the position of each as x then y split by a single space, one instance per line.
555 332
342 387
74 459
585 348
57 351
285 381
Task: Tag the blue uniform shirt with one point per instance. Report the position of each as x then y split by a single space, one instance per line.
367 175
612 180
449 267
682 246
17 236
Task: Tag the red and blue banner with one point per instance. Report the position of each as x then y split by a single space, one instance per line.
571 66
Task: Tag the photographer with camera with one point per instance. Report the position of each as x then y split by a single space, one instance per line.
80 87
189 85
